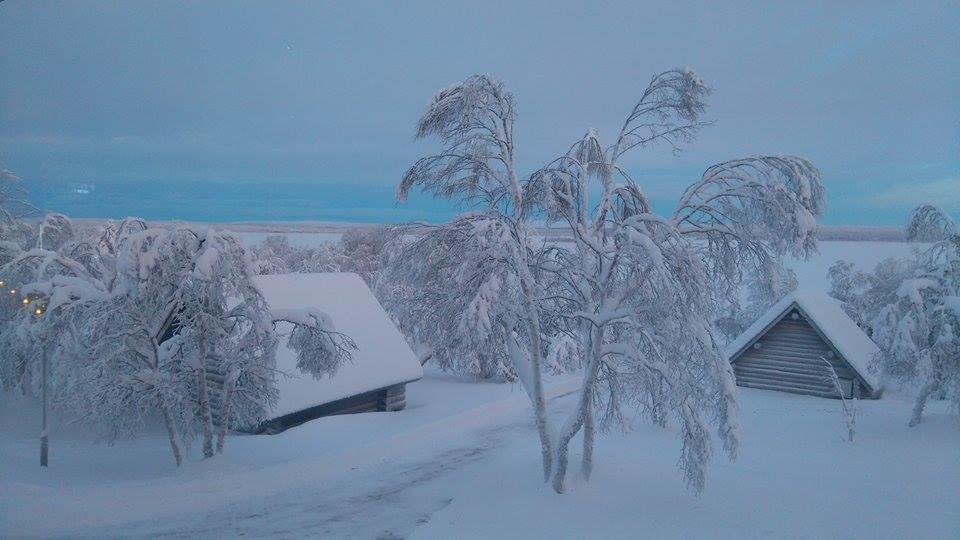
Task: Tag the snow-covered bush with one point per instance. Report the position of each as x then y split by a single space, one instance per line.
635 296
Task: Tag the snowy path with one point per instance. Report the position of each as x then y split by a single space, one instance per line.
383 489
388 500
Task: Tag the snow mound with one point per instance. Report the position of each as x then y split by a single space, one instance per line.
827 315
382 358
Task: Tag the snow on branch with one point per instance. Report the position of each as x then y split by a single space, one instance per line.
769 200
474 121
320 349
668 111
929 223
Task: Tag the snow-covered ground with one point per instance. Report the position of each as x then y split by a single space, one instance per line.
462 462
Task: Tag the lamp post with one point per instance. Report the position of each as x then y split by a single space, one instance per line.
38 311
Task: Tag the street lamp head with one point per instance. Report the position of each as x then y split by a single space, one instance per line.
26 301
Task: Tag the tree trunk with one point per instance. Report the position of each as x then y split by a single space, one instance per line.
928 390
206 415
539 402
536 379
225 406
577 420
589 431
174 437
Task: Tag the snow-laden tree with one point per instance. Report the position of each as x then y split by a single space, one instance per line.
366 251
765 283
639 292
918 330
14 204
158 323
636 294
361 250
229 328
455 295
208 314
495 293
216 299
863 294
24 263
276 255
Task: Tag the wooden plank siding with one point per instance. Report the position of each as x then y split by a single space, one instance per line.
391 398
787 357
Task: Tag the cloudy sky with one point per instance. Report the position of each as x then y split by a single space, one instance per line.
236 110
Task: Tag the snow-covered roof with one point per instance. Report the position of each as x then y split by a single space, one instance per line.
826 314
382 358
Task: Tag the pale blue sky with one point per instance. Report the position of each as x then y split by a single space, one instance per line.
319 100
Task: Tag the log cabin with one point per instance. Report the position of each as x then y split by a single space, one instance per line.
788 348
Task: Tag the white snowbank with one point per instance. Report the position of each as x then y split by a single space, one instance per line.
382 357
828 316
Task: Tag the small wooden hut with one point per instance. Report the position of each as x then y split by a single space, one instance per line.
787 347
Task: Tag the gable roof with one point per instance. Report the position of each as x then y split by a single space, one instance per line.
827 317
382 358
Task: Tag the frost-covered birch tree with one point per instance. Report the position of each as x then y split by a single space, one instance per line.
14 203
483 259
636 294
639 292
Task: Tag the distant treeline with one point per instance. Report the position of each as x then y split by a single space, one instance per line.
830 233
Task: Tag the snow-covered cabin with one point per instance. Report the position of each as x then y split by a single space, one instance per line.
786 347
382 365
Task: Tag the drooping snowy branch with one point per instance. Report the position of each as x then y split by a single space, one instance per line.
320 349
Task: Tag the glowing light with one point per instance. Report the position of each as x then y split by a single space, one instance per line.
2 283
13 291
38 311
26 301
